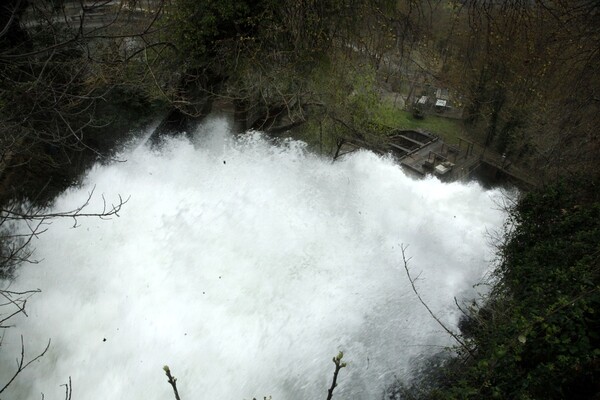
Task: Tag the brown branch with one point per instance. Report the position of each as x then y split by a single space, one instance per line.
10 214
455 336
40 51
338 366
21 364
11 19
68 389
19 302
79 34
172 381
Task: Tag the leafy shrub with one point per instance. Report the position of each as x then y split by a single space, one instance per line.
537 337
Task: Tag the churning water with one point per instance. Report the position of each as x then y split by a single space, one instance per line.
246 266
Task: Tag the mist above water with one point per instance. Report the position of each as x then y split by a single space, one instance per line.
246 266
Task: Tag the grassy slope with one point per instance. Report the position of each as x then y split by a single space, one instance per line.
448 129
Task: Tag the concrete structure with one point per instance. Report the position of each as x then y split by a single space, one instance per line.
422 153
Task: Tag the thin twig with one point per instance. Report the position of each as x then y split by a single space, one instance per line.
172 381
412 284
68 389
338 366
21 365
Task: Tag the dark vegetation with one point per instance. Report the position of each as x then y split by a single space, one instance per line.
537 334
76 78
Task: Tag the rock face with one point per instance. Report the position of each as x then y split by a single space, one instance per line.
178 121
269 118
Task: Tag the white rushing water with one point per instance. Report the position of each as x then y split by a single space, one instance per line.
245 267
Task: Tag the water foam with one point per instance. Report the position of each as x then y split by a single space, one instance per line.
245 266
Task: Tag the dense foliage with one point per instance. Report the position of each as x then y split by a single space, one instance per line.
538 336
520 73
525 73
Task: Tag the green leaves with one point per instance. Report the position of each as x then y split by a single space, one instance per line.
537 337
337 360
201 28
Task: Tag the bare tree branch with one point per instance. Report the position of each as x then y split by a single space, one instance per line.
11 19
172 381
22 365
68 389
107 211
454 335
337 360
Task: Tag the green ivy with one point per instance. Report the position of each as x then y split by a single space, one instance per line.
538 336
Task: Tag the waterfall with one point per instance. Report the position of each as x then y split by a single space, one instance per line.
245 266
